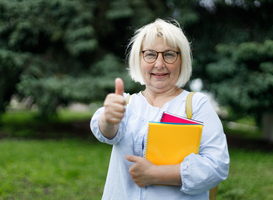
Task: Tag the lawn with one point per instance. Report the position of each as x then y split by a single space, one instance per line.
65 165
250 176
48 169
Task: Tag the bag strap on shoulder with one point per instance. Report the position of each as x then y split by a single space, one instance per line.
127 100
188 105
212 191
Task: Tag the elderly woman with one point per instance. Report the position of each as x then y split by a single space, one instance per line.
160 59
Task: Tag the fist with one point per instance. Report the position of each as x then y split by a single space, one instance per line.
115 104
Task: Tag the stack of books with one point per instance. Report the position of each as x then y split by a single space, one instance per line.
172 139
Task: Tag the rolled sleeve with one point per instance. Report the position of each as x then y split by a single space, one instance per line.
198 174
203 171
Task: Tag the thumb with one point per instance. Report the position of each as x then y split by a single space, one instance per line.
119 86
132 158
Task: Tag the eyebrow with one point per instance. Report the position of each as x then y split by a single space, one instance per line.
160 51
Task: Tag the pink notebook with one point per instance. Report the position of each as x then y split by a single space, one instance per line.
171 118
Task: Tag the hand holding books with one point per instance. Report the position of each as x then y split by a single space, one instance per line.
167 144
141 170
144 173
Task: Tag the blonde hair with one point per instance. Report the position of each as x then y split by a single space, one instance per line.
173 35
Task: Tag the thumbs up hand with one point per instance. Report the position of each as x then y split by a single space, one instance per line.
114 104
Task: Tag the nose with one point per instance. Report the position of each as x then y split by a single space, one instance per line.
159 63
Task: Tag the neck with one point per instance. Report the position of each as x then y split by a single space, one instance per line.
158 99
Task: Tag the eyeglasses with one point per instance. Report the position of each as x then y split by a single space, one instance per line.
151 56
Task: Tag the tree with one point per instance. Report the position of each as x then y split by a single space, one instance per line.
45 41
232 49
63 51
243 79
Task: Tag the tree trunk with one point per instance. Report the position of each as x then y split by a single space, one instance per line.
268 126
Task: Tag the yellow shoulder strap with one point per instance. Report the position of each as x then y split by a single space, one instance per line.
188 105
127 100
212 191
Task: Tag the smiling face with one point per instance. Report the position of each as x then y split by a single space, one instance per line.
160 76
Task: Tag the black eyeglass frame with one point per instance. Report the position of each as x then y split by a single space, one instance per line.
162 52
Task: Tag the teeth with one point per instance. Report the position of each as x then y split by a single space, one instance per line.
159 74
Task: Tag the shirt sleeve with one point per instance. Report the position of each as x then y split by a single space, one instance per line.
207 169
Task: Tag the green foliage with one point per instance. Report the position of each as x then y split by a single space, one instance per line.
243 78
63 51
51 33
119 9
232 51
11 66
55 51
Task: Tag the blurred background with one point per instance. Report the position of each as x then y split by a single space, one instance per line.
59 59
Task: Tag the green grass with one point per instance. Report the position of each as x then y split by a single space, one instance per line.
76 169
47 169
250 177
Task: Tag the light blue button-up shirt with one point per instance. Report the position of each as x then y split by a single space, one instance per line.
199 173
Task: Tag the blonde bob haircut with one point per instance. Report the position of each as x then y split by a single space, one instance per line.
172 35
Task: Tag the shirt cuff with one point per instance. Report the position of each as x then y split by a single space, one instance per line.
94 125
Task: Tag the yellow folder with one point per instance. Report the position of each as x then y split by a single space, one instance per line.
170 143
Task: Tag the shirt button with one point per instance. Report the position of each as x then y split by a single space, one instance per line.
183 188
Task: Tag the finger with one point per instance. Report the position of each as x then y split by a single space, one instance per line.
113 98
114 109
119 86
114 115
132 158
